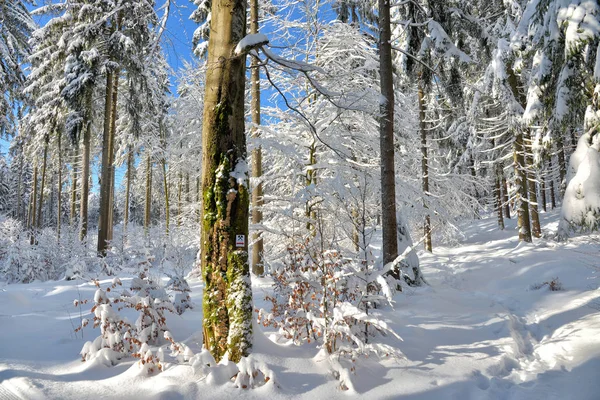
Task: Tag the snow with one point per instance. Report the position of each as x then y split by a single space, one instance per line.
249 42
487 327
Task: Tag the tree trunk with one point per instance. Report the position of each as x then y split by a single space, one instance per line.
424 166
111 165
543 191
43 183
20 187
148 203
105 181
257 192
163 161
227 295
85 170
59 202
128 187
523 220
552 192
179 190
505 197
386 137
498 198
536 229
562 165
74 185
166 190
32 222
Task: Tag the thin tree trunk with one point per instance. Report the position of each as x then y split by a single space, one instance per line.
424 167
59 202
543 191
74 185
562 165
111 165
386 137
498 199
166 190
536 229
32 223
163 161
552 190
85 170
105 181
43 183
505 197
148 203
179 190
257 192
224 245
128 187
20 188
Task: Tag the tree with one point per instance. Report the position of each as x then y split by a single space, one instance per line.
227 300
16 26
386 134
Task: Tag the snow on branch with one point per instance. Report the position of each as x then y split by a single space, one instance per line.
250 42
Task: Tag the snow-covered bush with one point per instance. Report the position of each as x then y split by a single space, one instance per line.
323 297
117 333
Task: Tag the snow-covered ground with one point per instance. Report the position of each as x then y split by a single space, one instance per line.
483 329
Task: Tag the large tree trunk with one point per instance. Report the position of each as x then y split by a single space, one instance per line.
85 170
227 294
105 181
386 137
257 192
424 166
523 218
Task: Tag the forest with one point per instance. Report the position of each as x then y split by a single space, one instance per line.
395 199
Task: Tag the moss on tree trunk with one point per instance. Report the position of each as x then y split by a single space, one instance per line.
227 296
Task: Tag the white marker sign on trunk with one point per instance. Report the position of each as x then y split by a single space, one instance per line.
240 240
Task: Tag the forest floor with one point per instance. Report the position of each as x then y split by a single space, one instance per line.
487 327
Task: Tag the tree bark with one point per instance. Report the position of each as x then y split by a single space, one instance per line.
536 228
128 187
424 166
163 161
105 181
386 137
257 192
498 198
227 303
74 185
111 165
59 202
148 203
85 169
552 192
523 218
43 183
32 223
505 197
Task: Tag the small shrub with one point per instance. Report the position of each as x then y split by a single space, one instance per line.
554 285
